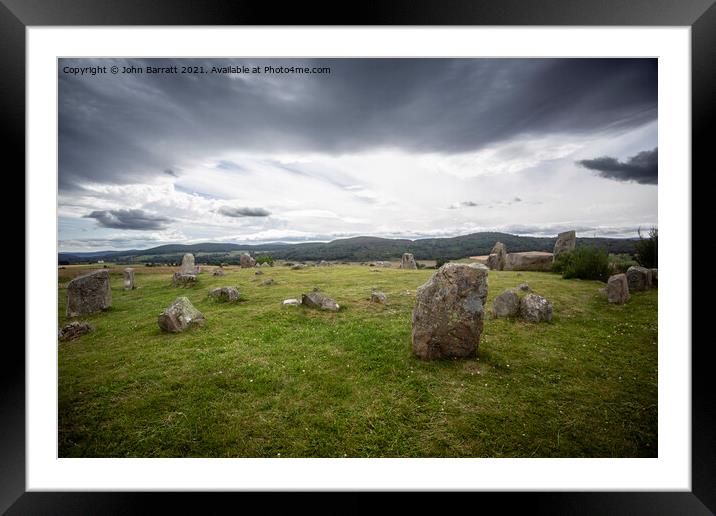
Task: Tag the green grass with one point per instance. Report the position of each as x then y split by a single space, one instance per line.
261 379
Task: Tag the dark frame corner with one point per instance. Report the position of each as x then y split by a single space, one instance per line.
700 15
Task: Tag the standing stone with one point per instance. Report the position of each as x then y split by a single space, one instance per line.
88 294
566 241
654 277
506 304
128 278
187 264
638 278
618 289
318 300
449 312
408 262
377 297
497 258
180 316
246 262
534 308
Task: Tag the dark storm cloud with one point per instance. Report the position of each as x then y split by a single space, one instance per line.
128 219
243 212
122 128
642 168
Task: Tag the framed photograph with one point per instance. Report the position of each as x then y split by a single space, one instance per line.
418 253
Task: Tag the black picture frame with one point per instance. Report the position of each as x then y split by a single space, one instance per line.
17 15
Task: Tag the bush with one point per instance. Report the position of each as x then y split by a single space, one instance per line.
264 259
619 263
439 262
647 249
586 262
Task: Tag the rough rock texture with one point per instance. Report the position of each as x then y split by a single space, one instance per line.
408 262
246 262
183 280
497 258
268 281
449 312
128 278
291 302
323 263
187 264
318 300
654 277
382 264
506 304
89 294
377 297
566 241
638 278
298 267
259 273
524 287
229 294
618 289
219 272
74 330
181 315
534 308
528 261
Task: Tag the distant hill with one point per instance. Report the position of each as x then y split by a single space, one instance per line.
362 248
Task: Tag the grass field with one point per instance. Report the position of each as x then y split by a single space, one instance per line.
263 380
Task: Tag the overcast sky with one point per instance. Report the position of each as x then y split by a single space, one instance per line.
383 147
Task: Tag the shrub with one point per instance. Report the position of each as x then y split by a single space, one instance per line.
647 249
585 262
439 262
264 259
619 263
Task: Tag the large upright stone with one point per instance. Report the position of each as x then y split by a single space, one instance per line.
638 278
618 289
187 264
497 258
179 316
246 261
128 278
88 294
449 312
408 262
566 241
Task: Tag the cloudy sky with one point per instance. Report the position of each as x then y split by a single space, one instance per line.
384 147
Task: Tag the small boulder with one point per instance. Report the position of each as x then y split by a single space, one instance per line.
320 301
128 278
218 272
449 312
534 308
179 316
377 297
618 289
229 294
183 280
298 267
259 273
638 278
291 302
506 304
89 294
524 287
268 281
74 330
